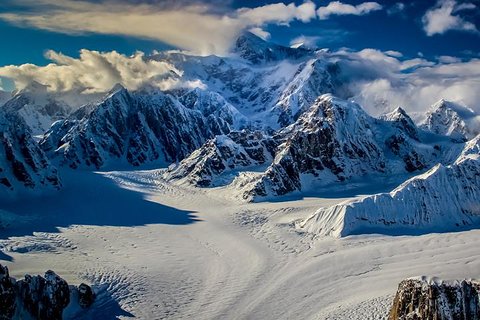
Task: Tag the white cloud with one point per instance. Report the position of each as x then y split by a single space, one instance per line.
277 13
197 28
380 82
339 8
259 32
448 59
94 72
442 18
393 53
306 41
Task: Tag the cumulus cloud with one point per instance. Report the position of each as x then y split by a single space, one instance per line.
95 72
444 16
381 82
259 32
339 8
197 28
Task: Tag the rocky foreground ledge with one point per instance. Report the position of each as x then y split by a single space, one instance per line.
431 298
40 297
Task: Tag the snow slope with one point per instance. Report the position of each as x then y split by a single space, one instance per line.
443 198
191 253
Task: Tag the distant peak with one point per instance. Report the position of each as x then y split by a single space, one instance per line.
398 112
257 50
117 87
452 107
248 37
33 87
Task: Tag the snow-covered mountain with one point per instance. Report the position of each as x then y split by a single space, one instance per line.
336 140
252 48
40 108
270 84
450 119
23 165
140 127
443 198
333 141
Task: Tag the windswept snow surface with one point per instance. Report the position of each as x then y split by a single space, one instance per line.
155 250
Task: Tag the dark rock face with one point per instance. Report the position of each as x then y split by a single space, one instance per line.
24 163
86 296
400 146
7 294
421 299
43 298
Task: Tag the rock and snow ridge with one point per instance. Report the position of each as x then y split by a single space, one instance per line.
270 84
444 198
39 107
239 150
141 127
333 141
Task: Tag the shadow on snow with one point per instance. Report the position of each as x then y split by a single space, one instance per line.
89 198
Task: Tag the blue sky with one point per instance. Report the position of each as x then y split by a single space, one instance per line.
388 28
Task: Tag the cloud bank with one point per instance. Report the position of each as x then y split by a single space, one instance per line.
380 81
197 28
95 72
444 16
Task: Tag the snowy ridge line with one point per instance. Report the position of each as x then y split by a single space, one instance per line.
445 198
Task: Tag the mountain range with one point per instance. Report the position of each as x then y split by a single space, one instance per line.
267 121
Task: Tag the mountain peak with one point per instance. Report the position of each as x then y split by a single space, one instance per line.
449 119
256 50
34 88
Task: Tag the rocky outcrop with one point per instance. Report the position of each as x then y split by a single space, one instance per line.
7 294
43 298
86 296
434 299
23 165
